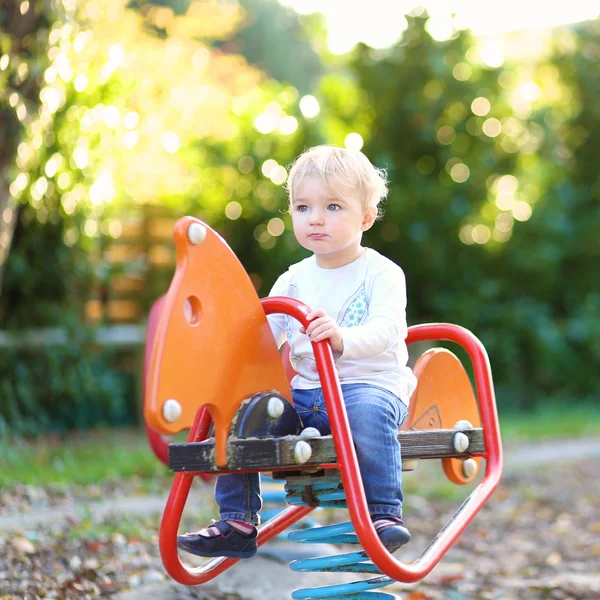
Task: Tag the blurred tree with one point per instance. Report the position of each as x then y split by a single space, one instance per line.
490 208
492 195
271 37
23 46
122 112
274 39
552 319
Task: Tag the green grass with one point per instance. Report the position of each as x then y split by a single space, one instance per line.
551 422
79 459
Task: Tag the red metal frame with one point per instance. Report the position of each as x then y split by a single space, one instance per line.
173 512
348 465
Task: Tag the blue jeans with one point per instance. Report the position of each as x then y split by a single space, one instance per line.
374 415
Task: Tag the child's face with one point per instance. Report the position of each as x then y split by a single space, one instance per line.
329 222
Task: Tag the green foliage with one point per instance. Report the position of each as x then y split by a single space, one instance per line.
75 386
509 287
492 213
273 39
24 29
44 278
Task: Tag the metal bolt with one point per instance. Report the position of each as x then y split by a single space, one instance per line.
469 468
463 425
275 407
461 442
171 410
310 432
302 452
196 233
409 464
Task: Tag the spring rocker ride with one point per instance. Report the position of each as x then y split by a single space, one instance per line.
211 359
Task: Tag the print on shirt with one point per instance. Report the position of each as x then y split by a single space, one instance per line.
288 333
354 310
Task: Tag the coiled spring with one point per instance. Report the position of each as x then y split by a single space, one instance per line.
327 492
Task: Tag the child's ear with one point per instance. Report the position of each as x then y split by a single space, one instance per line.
369 218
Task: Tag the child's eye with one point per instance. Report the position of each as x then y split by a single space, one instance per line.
301 207
334 207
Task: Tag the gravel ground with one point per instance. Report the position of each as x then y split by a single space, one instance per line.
537 538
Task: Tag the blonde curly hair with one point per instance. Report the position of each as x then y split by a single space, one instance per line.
335 166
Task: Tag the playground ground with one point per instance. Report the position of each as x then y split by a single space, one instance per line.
538 538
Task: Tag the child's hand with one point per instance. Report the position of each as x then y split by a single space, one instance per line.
323 327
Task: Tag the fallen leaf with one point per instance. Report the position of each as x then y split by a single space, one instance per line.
553 559
95 546
23 545
450 579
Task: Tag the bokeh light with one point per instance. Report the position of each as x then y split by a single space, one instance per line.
354 141
233 210
288 125
309 106
460 173
480 106
522 211
492 127
462 72
276 227
446 135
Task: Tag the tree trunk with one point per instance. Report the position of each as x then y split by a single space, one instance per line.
23 41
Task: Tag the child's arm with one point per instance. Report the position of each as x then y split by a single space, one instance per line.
386 322
277 320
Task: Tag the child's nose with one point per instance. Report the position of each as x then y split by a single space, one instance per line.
316 217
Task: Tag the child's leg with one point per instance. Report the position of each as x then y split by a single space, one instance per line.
238 497
310 407
375 416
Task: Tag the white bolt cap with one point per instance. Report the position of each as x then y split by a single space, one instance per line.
409 464
275 407
302 452
463 425
310 432
461 442
196 233
171 410
469 467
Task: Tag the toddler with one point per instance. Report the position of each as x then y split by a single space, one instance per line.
358 299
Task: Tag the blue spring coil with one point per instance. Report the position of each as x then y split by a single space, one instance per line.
328 492
273 496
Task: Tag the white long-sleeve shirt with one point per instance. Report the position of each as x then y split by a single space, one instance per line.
367 298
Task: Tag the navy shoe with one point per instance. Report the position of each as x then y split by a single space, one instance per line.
229 542
392 533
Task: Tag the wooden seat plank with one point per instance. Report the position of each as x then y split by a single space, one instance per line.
278 453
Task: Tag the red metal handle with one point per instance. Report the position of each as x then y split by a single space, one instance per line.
342 438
